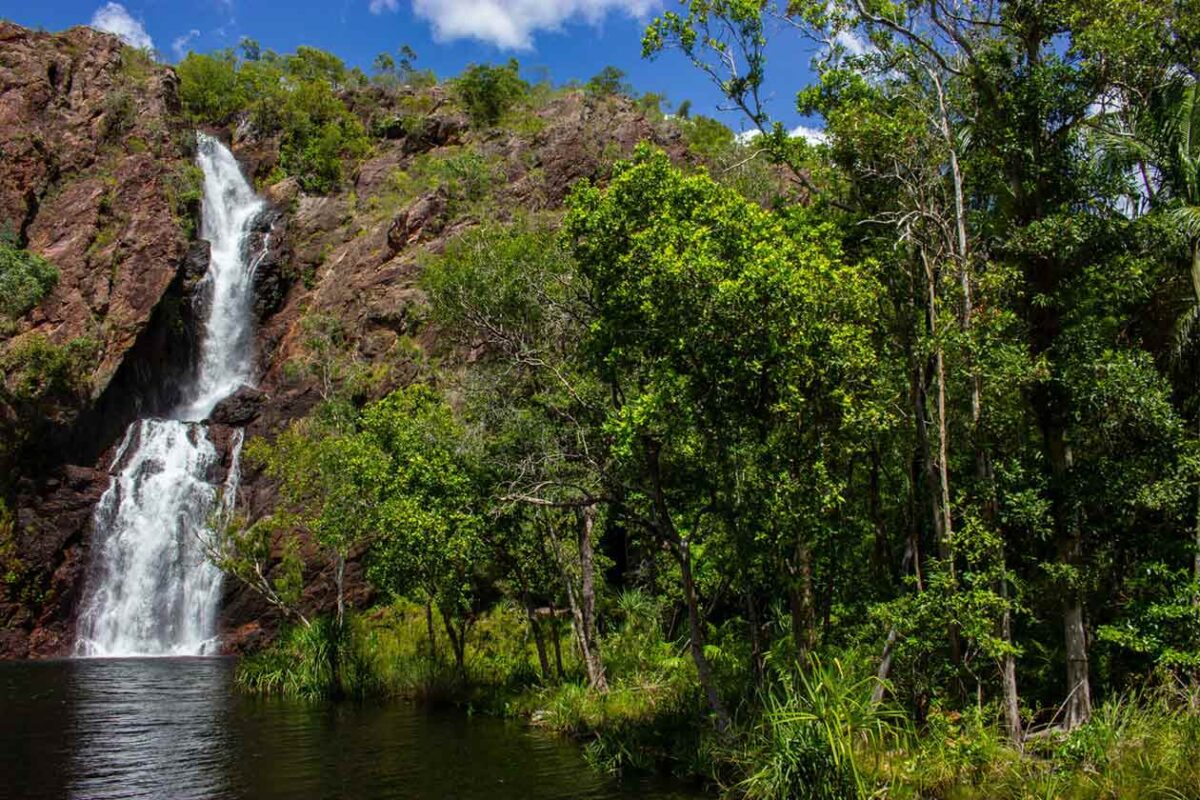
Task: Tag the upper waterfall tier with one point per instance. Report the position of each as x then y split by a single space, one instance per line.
229 211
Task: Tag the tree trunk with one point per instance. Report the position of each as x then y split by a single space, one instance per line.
338 635
1079 699
587 597
458 643
1196 532
575 602
538 641
756 648
800 601
556 639
881 552
885 667
679 547
937 467
1008 674
885 660
696 634
429 632
1079 693
339 577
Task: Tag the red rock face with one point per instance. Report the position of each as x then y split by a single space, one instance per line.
90 143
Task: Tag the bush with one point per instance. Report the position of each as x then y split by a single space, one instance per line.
706 136
487 91
817 733
120 113
301 664
34 368
294 96
184 190
25 278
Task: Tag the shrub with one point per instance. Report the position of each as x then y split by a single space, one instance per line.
184 190
706 136
120 113
487 91
34 368
25 278
294 96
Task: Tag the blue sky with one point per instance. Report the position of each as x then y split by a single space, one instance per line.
571 39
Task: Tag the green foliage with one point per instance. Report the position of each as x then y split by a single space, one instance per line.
120 114
817 733
209 86
608 82
295 96
34 369
706 136
464 177
912 403
426 512
25 278
300 665
184 189
318 135
487 92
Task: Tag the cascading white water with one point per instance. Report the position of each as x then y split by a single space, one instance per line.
150 590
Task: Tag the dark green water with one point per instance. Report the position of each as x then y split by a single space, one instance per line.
174 728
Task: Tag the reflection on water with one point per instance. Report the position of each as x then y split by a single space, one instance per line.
172 728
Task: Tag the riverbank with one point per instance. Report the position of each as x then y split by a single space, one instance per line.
809 734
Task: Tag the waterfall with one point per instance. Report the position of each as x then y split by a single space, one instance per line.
150 590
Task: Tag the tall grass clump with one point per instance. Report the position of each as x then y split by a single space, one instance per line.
313 662
819 735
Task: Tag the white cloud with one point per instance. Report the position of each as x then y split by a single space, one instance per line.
812 135
511 24
809 134
180 46
113 18
853 44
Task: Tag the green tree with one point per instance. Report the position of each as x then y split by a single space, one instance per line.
428 517
489 91
608 82
711 319
517 292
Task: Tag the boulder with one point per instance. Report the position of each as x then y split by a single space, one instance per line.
240 408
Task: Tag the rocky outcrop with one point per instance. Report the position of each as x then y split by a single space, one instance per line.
240 408
92 164
37 611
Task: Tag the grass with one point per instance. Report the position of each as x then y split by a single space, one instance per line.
806 734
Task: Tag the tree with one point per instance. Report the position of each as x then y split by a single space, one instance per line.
428 512
325 477
608 82
516 294
711 317
25 278
489 91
